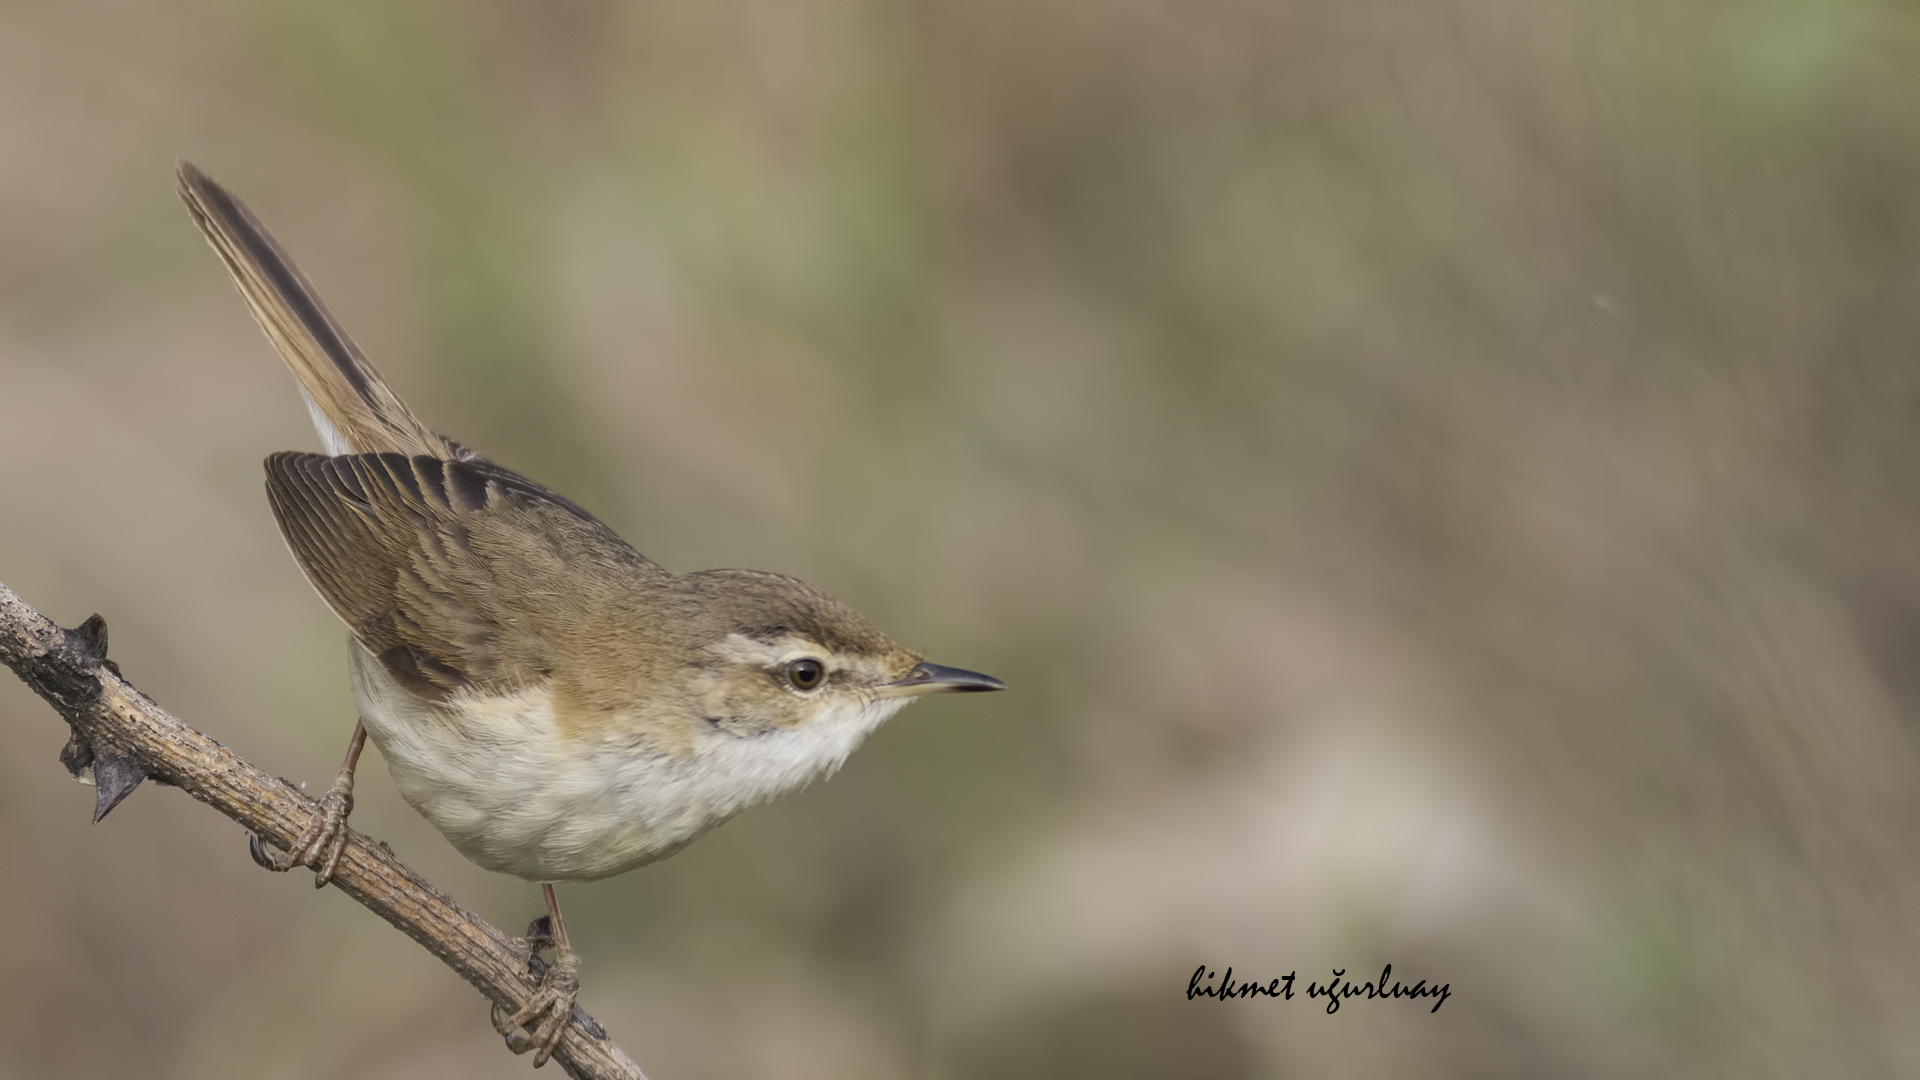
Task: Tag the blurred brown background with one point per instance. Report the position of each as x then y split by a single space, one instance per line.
1438 478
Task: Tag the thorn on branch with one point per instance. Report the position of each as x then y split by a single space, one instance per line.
66 677
114 778
89 639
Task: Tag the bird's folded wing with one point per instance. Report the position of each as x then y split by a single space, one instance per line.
453 573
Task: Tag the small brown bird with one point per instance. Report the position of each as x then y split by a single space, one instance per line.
559 706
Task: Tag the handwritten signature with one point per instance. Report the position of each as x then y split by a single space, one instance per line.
1337 989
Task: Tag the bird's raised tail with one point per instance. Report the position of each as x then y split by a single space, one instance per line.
353 409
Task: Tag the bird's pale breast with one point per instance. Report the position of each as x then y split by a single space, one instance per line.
497 777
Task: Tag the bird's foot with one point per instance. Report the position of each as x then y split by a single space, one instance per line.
322 842
539 1023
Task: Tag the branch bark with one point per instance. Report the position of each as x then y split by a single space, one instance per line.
124 738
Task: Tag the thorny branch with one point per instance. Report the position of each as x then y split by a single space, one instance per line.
122 737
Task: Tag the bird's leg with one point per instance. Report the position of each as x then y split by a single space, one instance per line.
326 835
545 1015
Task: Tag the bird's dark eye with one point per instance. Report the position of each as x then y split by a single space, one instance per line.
806 674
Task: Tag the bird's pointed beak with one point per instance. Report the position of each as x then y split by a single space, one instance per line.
935 679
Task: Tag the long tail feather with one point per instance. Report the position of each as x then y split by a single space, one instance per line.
353 408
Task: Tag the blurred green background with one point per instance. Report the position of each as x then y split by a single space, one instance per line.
1439 480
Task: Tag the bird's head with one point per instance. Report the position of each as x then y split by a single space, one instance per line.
778 655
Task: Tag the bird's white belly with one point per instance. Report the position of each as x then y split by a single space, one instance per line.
510 792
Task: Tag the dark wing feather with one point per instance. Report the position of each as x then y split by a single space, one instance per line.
453 573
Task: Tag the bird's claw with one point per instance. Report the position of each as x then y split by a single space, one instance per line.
320 845
538 1024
